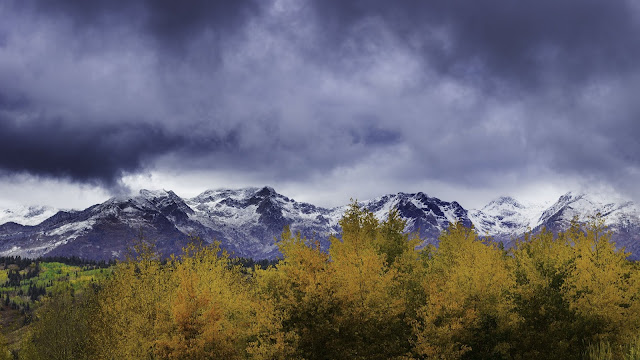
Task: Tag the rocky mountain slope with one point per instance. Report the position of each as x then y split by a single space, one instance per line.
246 221
621 217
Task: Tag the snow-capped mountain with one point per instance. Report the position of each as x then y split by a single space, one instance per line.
506 217
621 217
585 206
102 231
423 214
27 215
247 221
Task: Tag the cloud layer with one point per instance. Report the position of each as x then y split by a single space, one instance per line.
400 94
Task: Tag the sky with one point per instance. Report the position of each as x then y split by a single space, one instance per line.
323 100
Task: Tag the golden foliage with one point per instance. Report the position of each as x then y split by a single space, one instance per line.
467 287
371 296
601 284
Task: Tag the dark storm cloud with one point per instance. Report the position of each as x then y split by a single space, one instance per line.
520 42
12 101
92 153
171 23
538 57
462 92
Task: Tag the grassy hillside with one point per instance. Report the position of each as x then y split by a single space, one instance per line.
24 284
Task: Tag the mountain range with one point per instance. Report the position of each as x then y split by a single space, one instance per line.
246 221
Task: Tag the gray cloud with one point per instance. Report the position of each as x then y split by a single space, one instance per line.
470 94
92 153
170 23
520 44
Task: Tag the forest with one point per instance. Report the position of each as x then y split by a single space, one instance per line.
376 294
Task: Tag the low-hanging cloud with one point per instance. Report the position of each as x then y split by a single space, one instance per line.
93 153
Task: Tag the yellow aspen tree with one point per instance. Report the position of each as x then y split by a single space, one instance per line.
547 327
344 304
468 312
372 321
603 285
132 306
298 288
269 341
210 308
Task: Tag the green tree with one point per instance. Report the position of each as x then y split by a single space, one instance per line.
62 328
4 350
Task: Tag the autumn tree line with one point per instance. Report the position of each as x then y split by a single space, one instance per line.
373 295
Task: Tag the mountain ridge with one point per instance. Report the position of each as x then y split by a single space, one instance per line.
246 221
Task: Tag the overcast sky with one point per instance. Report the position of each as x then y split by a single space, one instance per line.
324 100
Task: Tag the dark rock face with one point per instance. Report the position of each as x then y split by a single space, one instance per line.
103 231
108 240
427 216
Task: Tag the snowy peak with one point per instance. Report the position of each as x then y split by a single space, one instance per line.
210 196
250 212
154 194
506 217
146 201
27 215
250 219
583 206
622 217
504 202
247 221
104 231
424 214
217 200
167 203
267 191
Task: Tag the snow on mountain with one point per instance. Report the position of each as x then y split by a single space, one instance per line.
102 231
423 214
248 221
27 215
506 217
621 217
585 206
